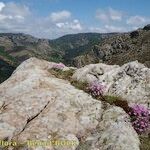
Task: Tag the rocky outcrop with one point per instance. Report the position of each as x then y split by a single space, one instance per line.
130 81
129 47
35 105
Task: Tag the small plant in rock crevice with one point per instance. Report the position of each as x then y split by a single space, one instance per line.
58 66
140 118
139 115
96 89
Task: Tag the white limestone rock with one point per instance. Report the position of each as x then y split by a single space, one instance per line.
34 105
130 81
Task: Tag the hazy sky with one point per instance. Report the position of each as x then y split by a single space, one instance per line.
54 18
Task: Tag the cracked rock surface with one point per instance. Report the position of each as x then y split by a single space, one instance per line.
34 105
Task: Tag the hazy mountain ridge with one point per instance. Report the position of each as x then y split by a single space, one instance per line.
78 49
22 46
119 49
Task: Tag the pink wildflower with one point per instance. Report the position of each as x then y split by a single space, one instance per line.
140 118
96 88
58 66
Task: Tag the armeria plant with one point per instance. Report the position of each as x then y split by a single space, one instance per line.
140 118
96 89
58 66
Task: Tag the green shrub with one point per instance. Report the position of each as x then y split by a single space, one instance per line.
4 54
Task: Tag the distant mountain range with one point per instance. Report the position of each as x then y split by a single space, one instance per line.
75 49
119 49
23 46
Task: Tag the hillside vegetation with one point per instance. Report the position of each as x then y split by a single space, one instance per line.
7 64
119 49
77 49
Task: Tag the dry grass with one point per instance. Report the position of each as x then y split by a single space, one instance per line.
145 143
66 75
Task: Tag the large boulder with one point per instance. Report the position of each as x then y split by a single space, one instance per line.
130 81
34 105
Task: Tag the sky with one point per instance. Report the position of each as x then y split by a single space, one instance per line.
54 18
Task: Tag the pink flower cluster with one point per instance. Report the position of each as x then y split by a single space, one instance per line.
58 66
96 88
140 118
